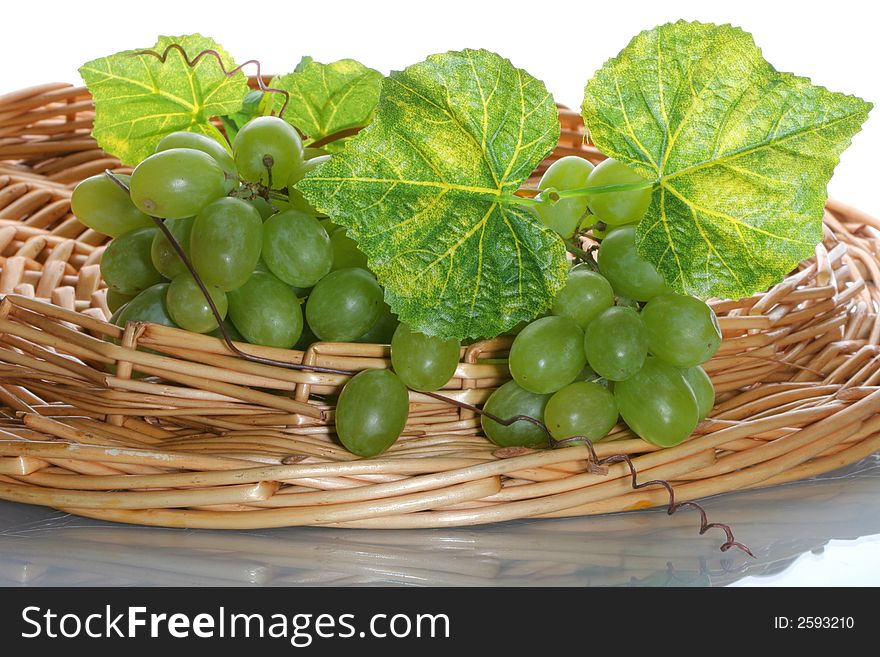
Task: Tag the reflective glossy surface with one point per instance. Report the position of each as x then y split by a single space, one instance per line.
822 532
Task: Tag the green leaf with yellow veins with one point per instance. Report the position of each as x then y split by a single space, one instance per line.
425 190
740 154
328 98
139 98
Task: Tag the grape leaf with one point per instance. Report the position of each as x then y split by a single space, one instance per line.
327 98
423 189
139 99
741 154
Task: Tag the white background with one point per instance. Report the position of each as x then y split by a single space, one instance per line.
834 42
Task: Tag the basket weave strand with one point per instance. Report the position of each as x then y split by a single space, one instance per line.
158 426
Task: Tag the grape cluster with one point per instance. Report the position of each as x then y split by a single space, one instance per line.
617 342
277 275
263 255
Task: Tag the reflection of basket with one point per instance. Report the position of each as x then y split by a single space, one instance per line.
220 442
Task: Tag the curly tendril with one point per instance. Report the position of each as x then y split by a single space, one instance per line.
163 56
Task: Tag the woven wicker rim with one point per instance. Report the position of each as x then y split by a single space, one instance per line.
211 446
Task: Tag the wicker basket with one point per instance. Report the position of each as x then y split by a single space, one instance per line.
185 434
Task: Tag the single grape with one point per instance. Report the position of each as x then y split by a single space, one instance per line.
266 311
267 150
263 207
422 362
701 386
104 206
116 300
371 412
296 201
177 183
344 305
212 147
345 251
581 409
188 306
226 241
616 344
657 403
162 254
126 264
681 330
564 215
296 248
617 208
507 402
148 306
307 165
547 354
585 295
383 330
629 273
328 225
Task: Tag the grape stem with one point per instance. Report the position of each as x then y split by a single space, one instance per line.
595 464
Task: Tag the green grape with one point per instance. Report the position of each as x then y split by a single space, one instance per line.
617 208
148 306
344 305
616 344
548 354
126 264
629 273
116 300
681 330
177 183
226 241
307 165
585 295
104 206
162 254
657 403
189 308
207 145
267 150
563 216
266 311
383 330
296 248
701 386
296 201
422 362
234 335
371 412
328 225
345 251
507 402
263 207
581 409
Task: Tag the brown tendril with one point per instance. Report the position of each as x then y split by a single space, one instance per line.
163 56
673 506
595 464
